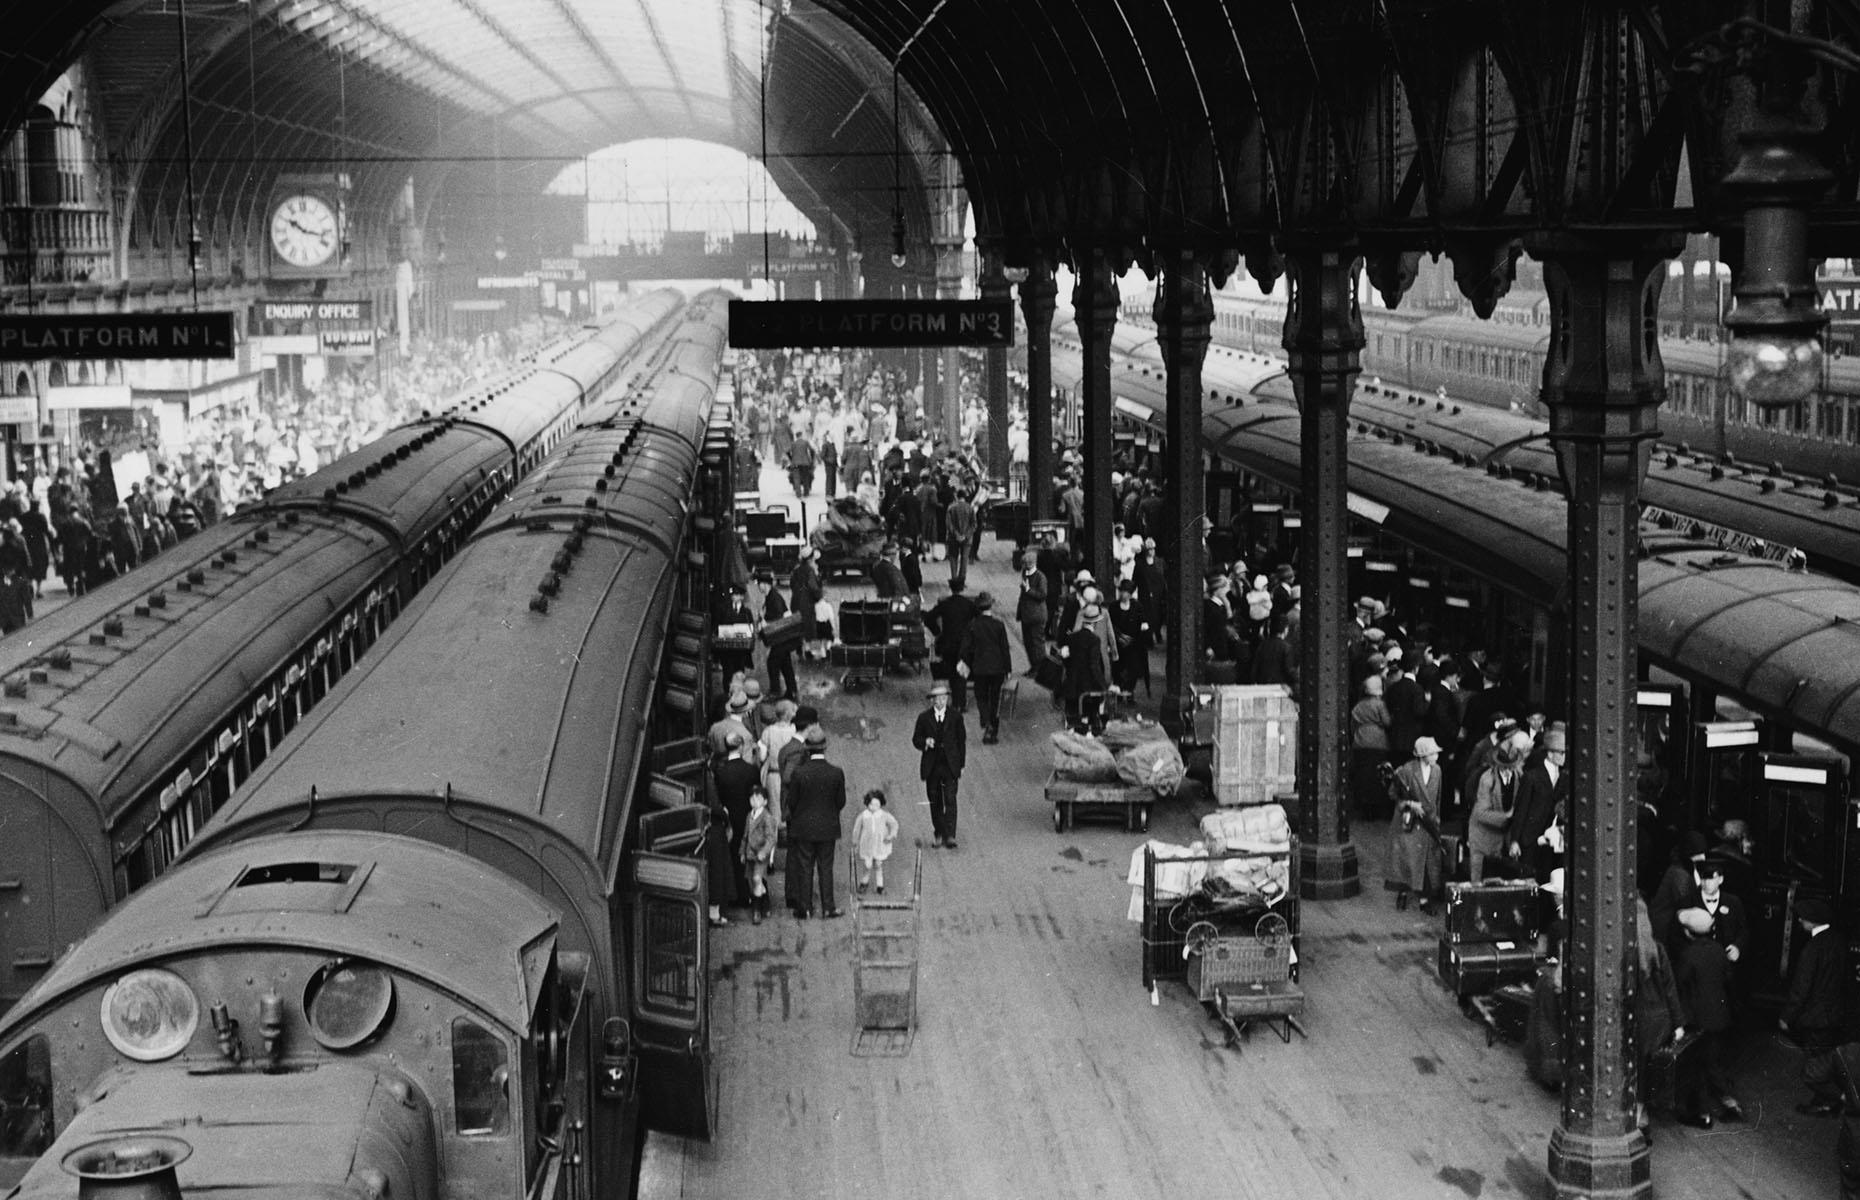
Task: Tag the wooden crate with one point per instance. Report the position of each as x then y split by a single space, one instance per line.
1255 742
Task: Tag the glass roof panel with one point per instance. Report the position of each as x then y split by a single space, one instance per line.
626 35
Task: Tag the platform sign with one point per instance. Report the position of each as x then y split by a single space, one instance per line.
820 324
117 335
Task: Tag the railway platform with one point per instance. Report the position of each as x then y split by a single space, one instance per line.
1040 1068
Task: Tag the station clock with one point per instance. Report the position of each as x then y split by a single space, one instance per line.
304 228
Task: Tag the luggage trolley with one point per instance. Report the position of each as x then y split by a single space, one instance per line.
885 955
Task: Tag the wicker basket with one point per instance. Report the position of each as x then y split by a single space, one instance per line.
1227 961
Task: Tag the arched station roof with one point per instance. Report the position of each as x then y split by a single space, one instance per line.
1127 125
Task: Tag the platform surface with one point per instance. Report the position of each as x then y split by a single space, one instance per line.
1041 1069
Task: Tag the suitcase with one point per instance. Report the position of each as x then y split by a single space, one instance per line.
1474 968
791 628
1490 912
1050 674
1671 1072
875 657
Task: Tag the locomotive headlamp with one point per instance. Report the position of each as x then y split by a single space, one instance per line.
347 1002
150 1014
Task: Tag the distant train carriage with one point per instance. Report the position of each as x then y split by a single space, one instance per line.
132 713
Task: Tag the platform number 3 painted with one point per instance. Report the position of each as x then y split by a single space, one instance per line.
303 230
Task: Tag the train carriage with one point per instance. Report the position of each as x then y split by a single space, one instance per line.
134 712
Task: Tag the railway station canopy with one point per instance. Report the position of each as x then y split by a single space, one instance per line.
1134 128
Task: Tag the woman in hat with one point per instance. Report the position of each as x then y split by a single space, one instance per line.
1415 829
1087 668
1495 796
1369 748
807 592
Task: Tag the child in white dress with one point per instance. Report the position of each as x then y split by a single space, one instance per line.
873 832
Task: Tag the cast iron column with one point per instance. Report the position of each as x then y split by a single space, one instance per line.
949 287
1324 341
1603 383
1094 309
1038 294
996 289
1183 313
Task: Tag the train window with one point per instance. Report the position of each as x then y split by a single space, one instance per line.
480 1079
26 1099
671 983
1809 838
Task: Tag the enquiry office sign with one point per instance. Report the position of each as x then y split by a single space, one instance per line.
810 324
117 335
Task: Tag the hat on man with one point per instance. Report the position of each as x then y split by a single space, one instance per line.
1555 739
815 736
1285 571
939 688
1692 845
1372 634
1711 864
752 688
1814 910
1091 612
1084 577
984 601
1149 543
1424 746
739 702
1366 603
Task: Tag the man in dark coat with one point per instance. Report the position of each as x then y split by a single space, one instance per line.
887 576
1815 1013
814 796
1086 669
1153 586
125 540
736 778
948 619
943 742
1030 610
984 652
1407 705
1276 660
1542 793
1131 626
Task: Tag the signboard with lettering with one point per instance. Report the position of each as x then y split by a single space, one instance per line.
1840 298
1730 539
322 312
347 343
495 282
790 268
775 324
117 335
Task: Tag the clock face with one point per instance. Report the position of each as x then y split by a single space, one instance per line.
303 231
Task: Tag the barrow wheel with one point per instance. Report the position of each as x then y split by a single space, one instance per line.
1059 818
1140 819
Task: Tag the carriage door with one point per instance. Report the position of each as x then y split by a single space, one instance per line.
1723 772
1802 823
671 974
1660 722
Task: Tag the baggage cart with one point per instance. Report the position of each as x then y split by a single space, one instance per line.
1074 801
885 957
1246 978
1167 915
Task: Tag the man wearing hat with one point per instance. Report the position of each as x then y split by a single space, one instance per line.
1679 888
1087 668
1074 601
1543 800
736 777
733 609
959 535
1815 1013
1153 588
947 620
1130 625
815 796
1494 799
736 709
983 653
1283 589
806 590
887 575
1415 828
1030 610
943 742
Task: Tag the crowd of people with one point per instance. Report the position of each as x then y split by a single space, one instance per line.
69 513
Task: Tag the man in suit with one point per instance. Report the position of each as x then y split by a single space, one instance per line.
1277 659
948 619
1407 704
1030 609
815 795
959 533
1542 794
1814 1014
984 652
887 576
940 737
737 776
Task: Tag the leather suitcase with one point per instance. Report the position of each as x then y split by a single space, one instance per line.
791 628
1050 673
1474 968
842 655
1671 1071
1490 912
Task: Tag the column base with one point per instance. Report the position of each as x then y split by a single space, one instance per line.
1587 1167
1327 872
